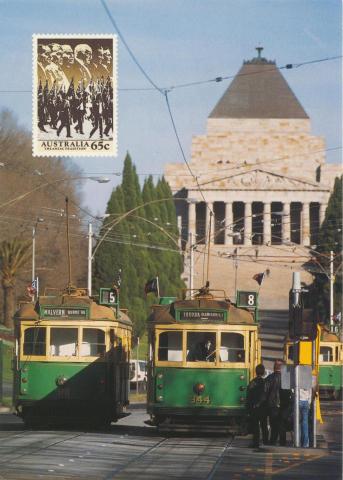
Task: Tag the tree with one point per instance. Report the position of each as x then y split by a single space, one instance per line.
14 254
329 239
139 244
22 173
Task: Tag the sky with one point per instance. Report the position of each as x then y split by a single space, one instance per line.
175 42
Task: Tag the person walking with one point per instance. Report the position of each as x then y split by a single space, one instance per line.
305 397
256 405
278 404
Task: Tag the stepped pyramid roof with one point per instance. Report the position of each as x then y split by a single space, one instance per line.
259 91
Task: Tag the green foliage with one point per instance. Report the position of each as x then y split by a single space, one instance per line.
330 239
143 245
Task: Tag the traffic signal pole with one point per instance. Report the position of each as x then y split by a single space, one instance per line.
296 304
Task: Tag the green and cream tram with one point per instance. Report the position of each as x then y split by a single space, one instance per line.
187 389
71 361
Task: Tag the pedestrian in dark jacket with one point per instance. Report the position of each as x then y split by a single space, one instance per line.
256 405
278 405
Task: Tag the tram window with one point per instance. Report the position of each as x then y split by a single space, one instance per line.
35 341
290 352
93 342
63 342
201 346
337 355
325 354
232 347
170 347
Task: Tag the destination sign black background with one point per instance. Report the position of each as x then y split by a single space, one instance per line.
202 315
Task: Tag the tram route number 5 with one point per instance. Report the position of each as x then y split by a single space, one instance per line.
108 296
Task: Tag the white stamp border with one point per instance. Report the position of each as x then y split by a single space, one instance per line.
94 153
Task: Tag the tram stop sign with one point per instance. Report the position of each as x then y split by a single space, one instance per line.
288 377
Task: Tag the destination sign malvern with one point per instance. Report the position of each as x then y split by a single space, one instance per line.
63 312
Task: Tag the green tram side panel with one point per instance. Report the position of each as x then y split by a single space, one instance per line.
82 380
222 387
330 376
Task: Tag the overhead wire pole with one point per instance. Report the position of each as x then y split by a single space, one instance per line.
90 258
332 279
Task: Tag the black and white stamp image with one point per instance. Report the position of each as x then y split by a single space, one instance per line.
74 95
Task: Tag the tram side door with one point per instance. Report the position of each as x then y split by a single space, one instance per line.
254 352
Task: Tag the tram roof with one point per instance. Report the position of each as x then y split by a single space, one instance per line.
169 313
30 311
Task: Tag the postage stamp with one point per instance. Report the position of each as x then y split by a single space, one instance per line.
74 95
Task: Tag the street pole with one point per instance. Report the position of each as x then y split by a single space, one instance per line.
191 263
296 300
236 272
33 258
331 290
90 239
314 402
137 365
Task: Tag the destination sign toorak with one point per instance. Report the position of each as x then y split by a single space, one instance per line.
202 315
64 312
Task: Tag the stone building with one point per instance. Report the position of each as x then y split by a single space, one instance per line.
262 178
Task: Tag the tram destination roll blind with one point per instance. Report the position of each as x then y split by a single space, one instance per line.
64 312
215 316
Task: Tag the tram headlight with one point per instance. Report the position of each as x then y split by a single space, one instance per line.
199 388
160 398
61 380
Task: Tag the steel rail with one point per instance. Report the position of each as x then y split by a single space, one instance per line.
118 470
215 467
33 450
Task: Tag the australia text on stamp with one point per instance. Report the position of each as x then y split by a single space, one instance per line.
74 95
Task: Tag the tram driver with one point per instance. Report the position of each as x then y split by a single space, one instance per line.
203 351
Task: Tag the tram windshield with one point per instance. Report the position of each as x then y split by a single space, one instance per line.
170 346
201 347
63 342
325 354
35 341
93 342
232 347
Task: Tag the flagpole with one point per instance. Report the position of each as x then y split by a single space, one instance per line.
158 287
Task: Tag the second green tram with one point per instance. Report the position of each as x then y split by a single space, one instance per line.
187 387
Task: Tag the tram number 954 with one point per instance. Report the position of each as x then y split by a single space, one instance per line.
200 400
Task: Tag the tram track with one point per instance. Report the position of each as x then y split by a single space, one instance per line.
31 450
215 467
170 443
137 458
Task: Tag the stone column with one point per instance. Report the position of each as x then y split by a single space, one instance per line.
322 209
247 223
286 222
228 223
305 224
267 223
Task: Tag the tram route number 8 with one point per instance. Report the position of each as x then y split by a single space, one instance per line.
246 299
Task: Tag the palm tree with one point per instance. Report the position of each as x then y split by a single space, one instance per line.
14 254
